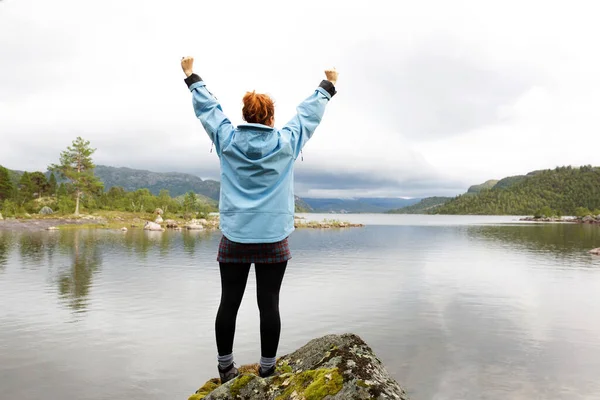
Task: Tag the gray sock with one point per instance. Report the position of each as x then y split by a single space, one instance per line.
266 362
225 361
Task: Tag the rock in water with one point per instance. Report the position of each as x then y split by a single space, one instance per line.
171 224
158 219
334 367
152 226
595 251
46 210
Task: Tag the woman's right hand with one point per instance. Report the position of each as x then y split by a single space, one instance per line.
331 75
187 64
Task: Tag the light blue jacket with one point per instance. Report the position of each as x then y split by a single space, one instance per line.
257 165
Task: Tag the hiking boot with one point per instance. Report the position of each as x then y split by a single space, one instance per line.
228 373
267 373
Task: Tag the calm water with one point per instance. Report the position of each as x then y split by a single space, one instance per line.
456 307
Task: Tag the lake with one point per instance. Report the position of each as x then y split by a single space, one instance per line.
456 307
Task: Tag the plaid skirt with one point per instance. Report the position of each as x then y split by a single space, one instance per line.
262 253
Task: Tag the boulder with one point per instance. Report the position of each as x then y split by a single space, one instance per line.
194 227
52 228
152 226
123 229
330 367
171 224
595 251
587 218
46 210
158 219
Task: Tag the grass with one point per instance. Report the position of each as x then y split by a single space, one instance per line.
104 219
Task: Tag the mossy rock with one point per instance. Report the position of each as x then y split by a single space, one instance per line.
331 367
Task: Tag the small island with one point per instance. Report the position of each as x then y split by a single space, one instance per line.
582 216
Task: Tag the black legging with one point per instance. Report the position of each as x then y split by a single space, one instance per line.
233 284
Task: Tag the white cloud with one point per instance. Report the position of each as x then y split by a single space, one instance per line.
431 94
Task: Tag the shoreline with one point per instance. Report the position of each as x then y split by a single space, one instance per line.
572 220
125 221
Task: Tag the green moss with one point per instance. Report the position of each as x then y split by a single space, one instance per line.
284 368
314 384
362 383
206 389
239 383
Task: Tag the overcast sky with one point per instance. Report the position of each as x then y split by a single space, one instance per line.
433 96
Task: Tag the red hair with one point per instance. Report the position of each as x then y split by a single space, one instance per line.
258 108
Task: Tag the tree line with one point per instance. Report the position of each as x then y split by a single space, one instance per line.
70 186
561 191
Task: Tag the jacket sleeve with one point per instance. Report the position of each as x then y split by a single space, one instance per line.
308 116
209 112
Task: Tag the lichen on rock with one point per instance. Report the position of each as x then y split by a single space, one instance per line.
330 367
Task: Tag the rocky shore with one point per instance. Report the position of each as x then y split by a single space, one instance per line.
125 221
588 219
331 367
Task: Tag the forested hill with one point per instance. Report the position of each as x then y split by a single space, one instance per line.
425 206
176 183
563 189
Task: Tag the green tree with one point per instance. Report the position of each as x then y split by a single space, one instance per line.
545 212
52 185
62 190
39 183
189 202
164 200
6 185
26 189
77 166
582 212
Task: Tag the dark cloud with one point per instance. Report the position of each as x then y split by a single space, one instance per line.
360 183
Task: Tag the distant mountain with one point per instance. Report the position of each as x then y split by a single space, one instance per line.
425 206
358 205
486 185
302 206
176 183
562 189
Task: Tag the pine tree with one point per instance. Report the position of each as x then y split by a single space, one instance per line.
6 186
190 202
77 166
39 183
25 187
52 185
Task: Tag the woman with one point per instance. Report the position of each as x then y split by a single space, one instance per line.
256 204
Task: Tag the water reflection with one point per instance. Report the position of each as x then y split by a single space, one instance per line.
86 259
32 249
6 241
560 238
192 238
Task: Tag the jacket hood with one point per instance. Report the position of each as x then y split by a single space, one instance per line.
256 141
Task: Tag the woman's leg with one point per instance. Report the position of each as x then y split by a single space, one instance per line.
233 284
268 284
